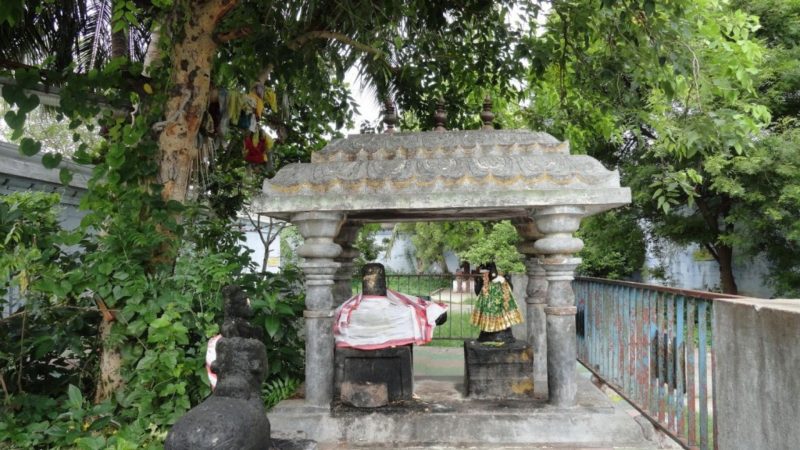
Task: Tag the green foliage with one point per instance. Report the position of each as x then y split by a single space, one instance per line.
766 186
290 239
279 389
432 239
56 136
614 245
11 11
35 269
163 322
161 277
669 93
367 247
497 245
474 242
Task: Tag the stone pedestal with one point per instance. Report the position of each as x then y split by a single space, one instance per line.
318 250
498 372
556 248
370 378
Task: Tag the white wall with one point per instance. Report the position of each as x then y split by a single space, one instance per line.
254 243
683 270
401 257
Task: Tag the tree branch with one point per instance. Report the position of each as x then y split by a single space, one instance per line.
223 8
304 39
266 241
708 215
222 38
712 250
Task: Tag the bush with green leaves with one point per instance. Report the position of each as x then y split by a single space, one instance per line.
34 263
368 249
498 244
614 245
163 321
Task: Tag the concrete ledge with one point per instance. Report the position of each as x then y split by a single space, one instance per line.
756 385
456 421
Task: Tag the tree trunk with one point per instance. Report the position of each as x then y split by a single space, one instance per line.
110 364
119 40
192 59
725 260
110 376
153 54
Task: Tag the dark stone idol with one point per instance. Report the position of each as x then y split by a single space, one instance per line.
233 417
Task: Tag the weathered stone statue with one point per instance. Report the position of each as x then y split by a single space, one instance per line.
495 310
237 315
233 417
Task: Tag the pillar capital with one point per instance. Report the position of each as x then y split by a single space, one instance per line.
318 230
557 223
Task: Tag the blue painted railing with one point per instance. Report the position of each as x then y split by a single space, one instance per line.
652 345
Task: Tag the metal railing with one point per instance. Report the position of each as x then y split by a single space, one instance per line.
454 290
653 346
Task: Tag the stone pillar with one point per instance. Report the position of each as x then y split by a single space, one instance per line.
319 229
535 299
557 223
342 288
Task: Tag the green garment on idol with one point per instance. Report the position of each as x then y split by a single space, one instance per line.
495 309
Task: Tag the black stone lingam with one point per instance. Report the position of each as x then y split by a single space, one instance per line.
233 417
373 279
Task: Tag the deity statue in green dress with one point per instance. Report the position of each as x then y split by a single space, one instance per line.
495 310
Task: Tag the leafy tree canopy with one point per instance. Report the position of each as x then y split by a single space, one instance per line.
156 244
676 94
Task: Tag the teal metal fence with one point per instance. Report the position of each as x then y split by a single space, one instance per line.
653 346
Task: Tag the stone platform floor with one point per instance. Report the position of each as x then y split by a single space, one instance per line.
442 418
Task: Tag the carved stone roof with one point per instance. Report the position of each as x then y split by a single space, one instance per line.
440 144
441 175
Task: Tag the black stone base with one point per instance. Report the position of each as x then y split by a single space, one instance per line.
495 371
370 378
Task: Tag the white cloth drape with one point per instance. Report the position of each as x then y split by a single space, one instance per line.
370 322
